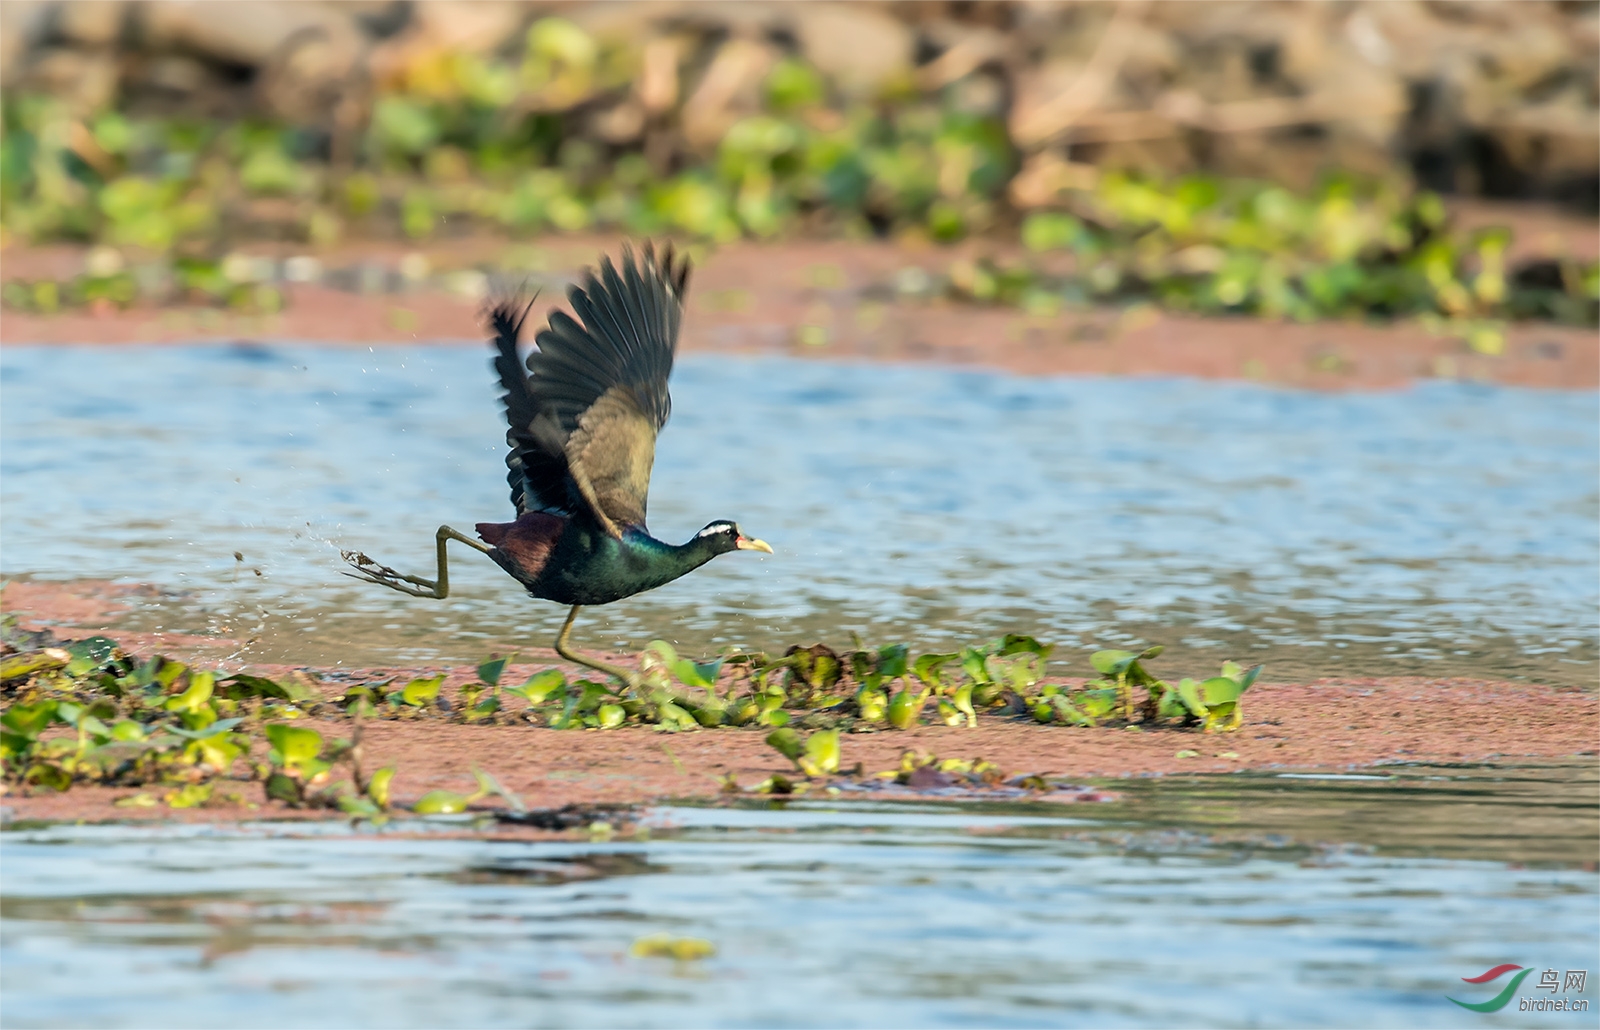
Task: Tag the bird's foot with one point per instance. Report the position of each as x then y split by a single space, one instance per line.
370 571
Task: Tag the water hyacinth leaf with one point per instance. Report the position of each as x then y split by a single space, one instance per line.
128 731
710 713
704 673
786 742
98 648
974 664
587 699
47 774
28 720
674 717
90 654
218 751
282 788
294 747
926 667
821 753
489 672
190 796
1069 713
892 660
872 705
612 716
419 692
1096 702
541 686
1172 705
220 726
378 786
243 685
949 714
440 802
1245 678
1112 662
1019 643
962 699
80 667
167 672
365 808
906 707
1189 694
681 949
201 685
1220 690
864 669
22 666
1019 671
487 785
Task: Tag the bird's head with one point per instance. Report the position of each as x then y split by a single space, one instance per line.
724 536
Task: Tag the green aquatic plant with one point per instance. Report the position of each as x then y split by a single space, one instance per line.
448 802
481 700
679 949
505 143
419 693
297 766
1128 673
816 755
905 708
1215 702
86 712
923 770
541 687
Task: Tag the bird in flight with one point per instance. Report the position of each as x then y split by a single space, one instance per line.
584 411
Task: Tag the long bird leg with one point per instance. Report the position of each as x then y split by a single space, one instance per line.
372 572
628 678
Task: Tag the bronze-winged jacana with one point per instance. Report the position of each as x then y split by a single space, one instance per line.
584 411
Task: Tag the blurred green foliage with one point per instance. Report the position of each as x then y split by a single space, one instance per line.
473 143
1347 249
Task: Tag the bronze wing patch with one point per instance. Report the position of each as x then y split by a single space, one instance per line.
610 455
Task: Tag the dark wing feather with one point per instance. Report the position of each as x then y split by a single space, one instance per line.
584 424
537 469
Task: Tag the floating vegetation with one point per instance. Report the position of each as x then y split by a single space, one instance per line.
86 712
1348 249
664 945
166 201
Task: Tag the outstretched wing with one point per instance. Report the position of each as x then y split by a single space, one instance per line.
584 423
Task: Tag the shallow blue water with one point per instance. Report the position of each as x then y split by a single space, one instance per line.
1447 528
1224 901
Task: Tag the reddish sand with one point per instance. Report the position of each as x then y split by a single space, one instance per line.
1332 723
751 297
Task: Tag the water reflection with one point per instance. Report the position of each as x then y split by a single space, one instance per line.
1448 529
1192 901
